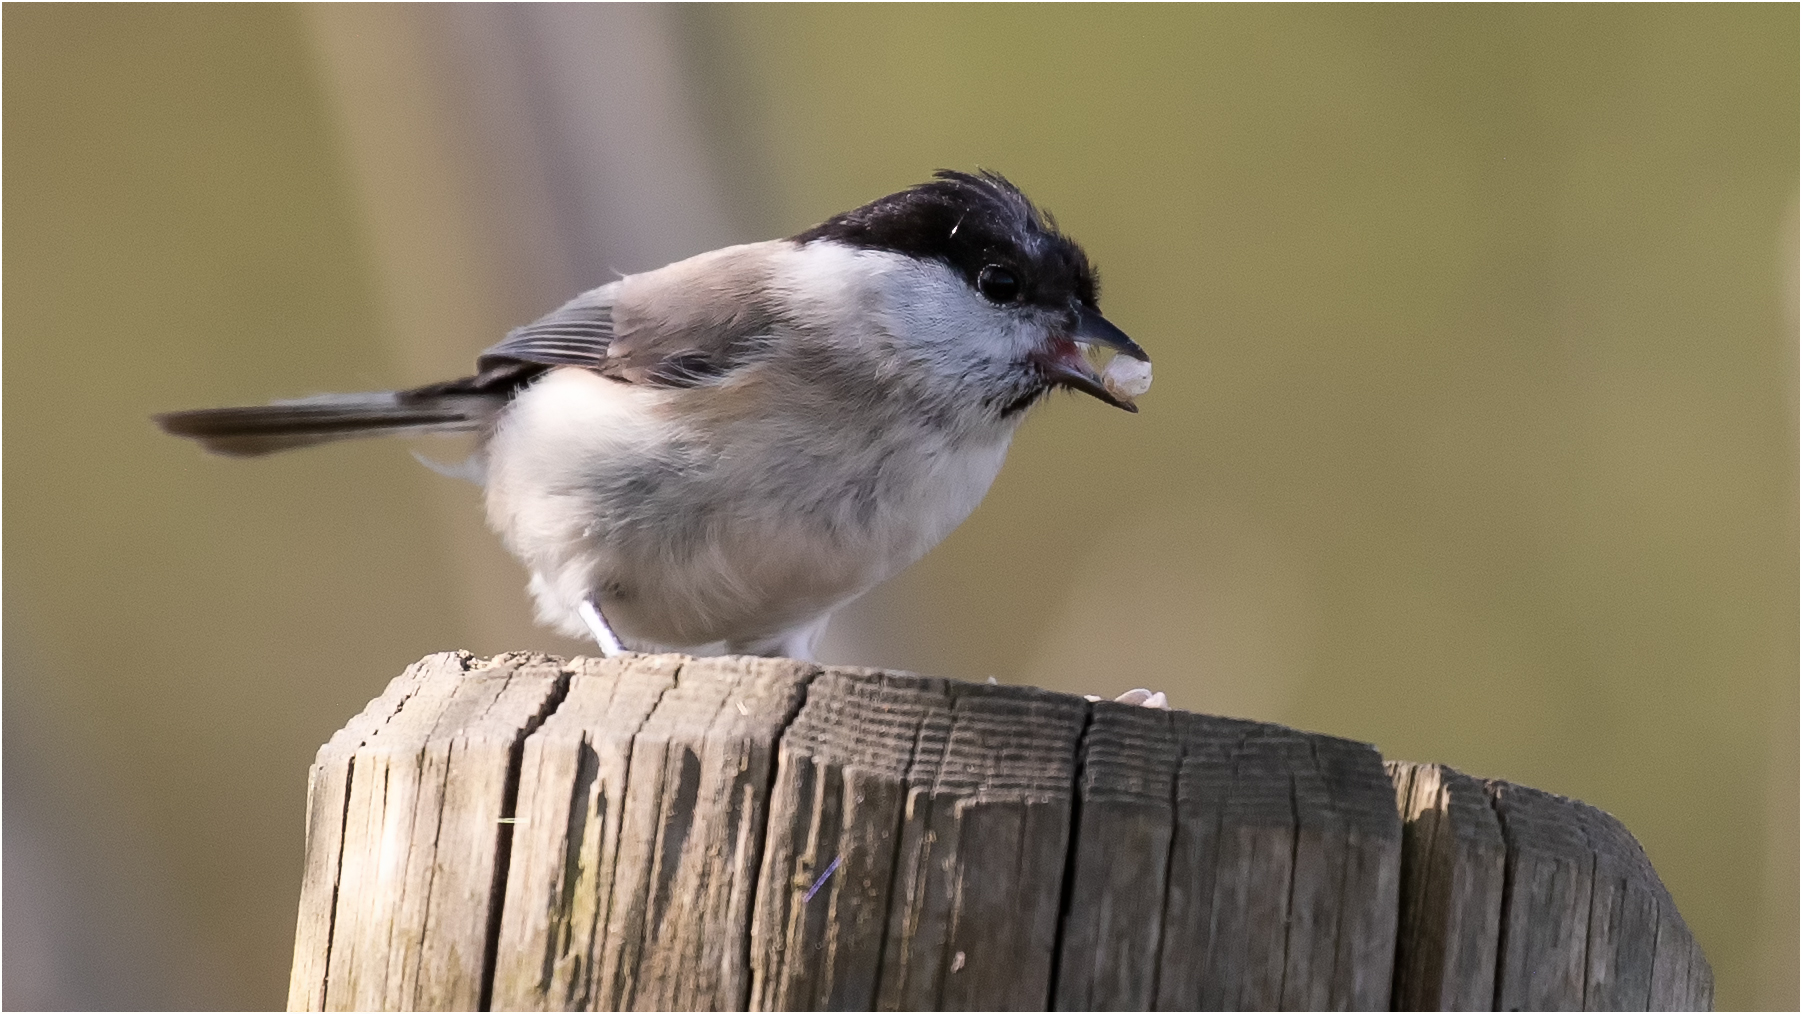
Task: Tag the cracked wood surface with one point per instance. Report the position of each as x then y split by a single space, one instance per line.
691 841
1517 899
661 832
1586 924
973 912
572 786
1451 904
837 808
1119 860
1284 869
422 783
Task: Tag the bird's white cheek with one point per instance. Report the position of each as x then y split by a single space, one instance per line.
943 322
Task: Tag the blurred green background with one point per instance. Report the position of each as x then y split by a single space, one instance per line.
1474 433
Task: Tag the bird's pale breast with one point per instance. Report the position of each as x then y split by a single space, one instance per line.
739 530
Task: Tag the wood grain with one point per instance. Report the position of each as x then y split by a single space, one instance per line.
1586 924
1545 915
423 846
1126 812
973 913
661 832
691 837
328 789
1284 872
1451 901
837 809
573 777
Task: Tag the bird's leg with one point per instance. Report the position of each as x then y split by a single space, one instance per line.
597 626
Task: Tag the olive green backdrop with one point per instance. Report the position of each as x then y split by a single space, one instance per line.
1474 432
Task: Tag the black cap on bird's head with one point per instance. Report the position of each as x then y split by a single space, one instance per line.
975 223
1007 249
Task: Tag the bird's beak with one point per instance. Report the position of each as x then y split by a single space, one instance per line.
1064 364
1094 329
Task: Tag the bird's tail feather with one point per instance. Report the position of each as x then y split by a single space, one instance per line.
285 425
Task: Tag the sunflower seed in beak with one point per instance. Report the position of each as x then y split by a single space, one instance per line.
1126 378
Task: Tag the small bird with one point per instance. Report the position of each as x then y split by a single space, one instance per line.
718 454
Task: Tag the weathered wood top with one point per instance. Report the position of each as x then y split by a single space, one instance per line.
660 832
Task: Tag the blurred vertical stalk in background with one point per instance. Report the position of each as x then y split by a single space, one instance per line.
506 157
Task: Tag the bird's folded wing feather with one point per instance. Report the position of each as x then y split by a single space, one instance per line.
685 325
578 333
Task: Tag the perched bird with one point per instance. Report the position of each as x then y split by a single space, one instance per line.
718 454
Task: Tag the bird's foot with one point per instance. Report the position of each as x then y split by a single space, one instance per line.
597 626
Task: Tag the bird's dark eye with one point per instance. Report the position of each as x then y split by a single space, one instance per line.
998 284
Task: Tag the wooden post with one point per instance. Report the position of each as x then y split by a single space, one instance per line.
660 832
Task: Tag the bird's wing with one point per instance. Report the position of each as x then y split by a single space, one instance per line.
685 325
578 333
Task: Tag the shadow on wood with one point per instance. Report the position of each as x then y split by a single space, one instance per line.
660 832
